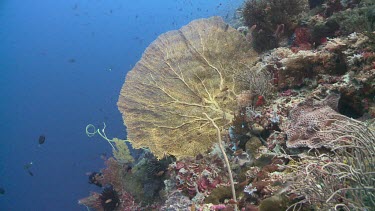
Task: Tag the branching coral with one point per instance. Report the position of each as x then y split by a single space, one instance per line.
182 75
258 80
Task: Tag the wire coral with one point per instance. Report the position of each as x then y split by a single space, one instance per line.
344 178
258 80
119 147
182 76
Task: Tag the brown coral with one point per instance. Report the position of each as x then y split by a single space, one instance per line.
182 76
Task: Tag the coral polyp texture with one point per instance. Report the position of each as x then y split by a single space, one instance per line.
307 121
183 77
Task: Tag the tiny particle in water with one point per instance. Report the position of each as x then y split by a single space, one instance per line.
42 139
2 191
72 60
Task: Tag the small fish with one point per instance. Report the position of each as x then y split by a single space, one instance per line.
129 169
71 60
232 202
160 173
27 167
108 201
42 139
103 156
225 88
238 152
2 191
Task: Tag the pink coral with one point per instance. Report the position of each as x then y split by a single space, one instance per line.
302 40
128 203
218 207
198 175
112 175
308 119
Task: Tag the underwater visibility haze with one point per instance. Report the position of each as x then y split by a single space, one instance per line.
251 105
62 67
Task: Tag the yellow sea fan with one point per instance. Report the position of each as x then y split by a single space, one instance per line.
183 75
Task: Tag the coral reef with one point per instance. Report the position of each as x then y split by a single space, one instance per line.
176 201
109 199
227 129
137 185
272 19
342 179
199 176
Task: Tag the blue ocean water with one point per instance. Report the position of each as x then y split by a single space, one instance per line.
62 65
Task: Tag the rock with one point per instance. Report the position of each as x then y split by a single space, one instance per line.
257 129
273 203
252 145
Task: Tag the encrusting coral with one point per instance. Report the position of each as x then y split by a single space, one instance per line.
183 76
308 119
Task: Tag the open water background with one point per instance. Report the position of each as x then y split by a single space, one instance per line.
62 65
